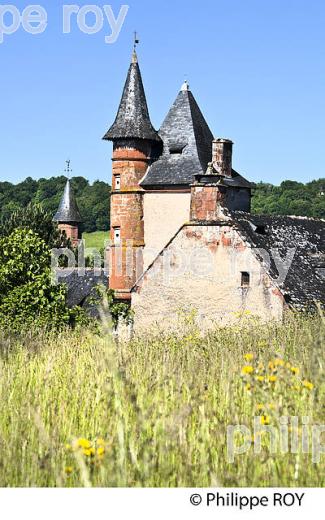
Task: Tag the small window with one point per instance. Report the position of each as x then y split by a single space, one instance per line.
117 182
117 236
245 279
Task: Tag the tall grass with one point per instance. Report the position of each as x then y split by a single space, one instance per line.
78 409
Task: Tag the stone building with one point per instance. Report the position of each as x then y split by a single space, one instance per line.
183 238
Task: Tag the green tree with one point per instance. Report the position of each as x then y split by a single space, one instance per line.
27 295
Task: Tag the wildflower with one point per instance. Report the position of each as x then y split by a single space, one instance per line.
100 442
84 443
100 451
259 406
249 357
68 447
265 420
260 379
295 370
248 369
279 362
87 452
272 379
68 470
308 385
248 387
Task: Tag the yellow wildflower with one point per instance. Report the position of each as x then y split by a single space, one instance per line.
100 451
100 442
87 452
295 370
260 406
249 357
265 420
272 379
248 387
279 362
68 446
84 443
248 369
260 379
68 470
308 385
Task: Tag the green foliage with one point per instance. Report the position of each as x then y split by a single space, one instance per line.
117 310
290 198
35 218
93 200
27 295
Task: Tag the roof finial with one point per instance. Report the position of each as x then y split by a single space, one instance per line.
136 42
185 87
68 169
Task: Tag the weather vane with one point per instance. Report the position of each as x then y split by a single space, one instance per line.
136 40
68 169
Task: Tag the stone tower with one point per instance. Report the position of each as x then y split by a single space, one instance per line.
135 144
68 216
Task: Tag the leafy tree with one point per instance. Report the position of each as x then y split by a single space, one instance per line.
27 295
93 200
35 218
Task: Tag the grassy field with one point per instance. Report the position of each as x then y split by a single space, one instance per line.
77 409
96 239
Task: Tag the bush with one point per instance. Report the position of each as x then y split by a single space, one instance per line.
27 295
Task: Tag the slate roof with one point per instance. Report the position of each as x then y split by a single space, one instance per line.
305 281
184 128
132 120
68 209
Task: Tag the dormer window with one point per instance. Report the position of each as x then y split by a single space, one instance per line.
117 182
176 148
176 151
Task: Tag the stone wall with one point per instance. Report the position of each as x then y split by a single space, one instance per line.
164 213
201 272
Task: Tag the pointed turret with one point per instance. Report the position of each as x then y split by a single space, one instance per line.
132 120
68 216
68 209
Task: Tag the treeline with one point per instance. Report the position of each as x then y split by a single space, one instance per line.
93 199
290 198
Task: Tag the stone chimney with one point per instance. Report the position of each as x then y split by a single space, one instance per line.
222 156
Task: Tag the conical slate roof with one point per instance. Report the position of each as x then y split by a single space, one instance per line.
132 120
187 144
68 209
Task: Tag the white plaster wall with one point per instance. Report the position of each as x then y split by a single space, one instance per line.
201 272
163 213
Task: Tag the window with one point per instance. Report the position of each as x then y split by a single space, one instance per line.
245 279
117 182
117 236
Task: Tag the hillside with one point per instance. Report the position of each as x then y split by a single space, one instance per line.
93 200
290 198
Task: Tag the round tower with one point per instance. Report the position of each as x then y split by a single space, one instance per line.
134 144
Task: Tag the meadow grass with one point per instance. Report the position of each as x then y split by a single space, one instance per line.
96 240
79 409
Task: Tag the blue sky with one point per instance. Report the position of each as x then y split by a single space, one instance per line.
256 68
